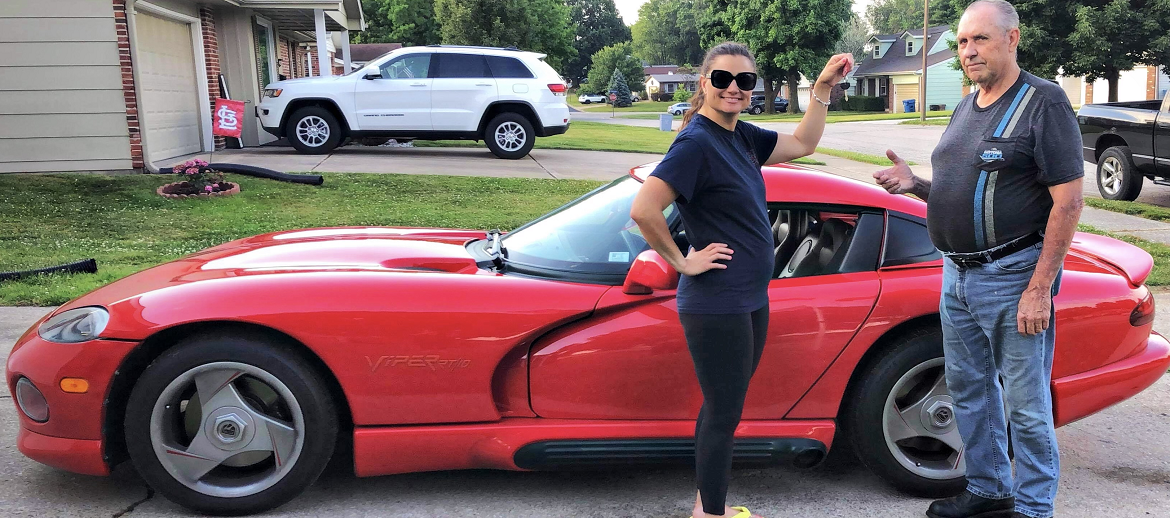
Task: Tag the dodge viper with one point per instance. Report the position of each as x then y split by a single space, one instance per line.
229 377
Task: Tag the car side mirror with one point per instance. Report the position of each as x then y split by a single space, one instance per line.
648 273
373 73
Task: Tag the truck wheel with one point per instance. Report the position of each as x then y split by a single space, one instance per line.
1117 176
509 135
313 130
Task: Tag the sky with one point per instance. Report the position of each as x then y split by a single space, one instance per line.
629 8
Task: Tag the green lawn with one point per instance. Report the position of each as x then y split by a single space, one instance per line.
599 136
46 220
1132 208
640 106
858 157
1161 253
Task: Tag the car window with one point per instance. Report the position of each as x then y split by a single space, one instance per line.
462 66
413 66
908 242
810 241
505 67
592 235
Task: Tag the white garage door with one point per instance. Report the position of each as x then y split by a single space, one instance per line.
166 68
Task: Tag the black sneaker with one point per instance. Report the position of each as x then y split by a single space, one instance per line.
970 505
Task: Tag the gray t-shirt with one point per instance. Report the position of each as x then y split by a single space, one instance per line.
993 166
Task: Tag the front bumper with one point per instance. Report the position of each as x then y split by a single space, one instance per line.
72 437
1081 395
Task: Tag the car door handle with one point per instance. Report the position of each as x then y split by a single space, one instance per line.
418 84
483 84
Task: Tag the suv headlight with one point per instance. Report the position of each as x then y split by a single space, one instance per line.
272 92
75 326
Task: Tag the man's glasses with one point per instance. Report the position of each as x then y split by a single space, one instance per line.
722 79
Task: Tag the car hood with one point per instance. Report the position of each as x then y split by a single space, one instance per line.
405 250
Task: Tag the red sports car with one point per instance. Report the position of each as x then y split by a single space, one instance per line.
229 377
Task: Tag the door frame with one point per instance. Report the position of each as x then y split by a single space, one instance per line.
195 26
273 41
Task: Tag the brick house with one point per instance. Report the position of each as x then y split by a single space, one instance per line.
108 85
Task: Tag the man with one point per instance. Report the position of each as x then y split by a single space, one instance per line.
1002 207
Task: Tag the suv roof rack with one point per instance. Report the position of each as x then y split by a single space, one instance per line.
510 47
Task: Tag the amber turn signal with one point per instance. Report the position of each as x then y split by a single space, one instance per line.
74 385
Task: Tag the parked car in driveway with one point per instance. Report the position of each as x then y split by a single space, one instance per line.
505 97
757 105
591 98
1128 141
227 377
678 108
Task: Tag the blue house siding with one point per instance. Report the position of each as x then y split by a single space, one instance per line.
944 85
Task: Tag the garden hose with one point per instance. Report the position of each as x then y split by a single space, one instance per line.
86 266
259 172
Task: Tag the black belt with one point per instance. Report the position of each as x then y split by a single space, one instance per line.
980 258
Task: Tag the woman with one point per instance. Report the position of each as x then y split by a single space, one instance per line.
713 172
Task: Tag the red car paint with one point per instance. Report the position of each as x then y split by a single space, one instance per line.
445 366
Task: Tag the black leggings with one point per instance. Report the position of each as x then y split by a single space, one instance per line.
726 350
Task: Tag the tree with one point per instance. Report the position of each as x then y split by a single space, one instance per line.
535 25
712 22
789 38
409 22
617 84
896 16
1116 35
611 58
1094 38
682 95
667 31
854 35
598 25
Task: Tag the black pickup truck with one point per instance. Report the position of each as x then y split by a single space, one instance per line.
1128 142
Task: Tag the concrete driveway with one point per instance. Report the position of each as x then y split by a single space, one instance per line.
1116 464
540 163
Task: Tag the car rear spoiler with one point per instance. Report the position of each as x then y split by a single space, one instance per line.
1133 262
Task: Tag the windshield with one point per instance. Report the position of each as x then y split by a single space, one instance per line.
593 235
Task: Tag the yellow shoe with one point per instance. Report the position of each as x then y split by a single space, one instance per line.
743 513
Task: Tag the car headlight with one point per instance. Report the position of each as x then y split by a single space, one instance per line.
272 92
75 325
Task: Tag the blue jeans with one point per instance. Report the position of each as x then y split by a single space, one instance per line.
983 345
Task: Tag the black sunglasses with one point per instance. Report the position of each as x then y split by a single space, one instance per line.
722 79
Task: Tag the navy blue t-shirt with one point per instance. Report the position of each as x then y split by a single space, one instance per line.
721 200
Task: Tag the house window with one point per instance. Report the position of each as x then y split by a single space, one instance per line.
877 52
910 47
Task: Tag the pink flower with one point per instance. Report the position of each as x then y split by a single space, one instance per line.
208 188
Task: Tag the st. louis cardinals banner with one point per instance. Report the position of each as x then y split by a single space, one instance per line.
229 118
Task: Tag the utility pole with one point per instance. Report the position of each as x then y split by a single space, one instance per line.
925 51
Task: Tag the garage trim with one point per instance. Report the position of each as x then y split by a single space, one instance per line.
200 68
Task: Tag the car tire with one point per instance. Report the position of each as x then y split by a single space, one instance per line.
756 110
587 101
904 377
509 135
1117 176
313 130
266 392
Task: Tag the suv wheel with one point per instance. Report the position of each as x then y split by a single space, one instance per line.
509 135
313 130
756 110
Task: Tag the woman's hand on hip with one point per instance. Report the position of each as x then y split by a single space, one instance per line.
699 261
836 69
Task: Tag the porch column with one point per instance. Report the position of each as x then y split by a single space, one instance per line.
322 49
345 51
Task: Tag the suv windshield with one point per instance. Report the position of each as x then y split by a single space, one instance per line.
593 235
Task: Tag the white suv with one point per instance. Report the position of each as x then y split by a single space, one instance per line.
505 97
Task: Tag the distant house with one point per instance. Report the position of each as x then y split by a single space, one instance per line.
662 85
892 69
1143 83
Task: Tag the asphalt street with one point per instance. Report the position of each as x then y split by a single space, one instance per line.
1115 464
